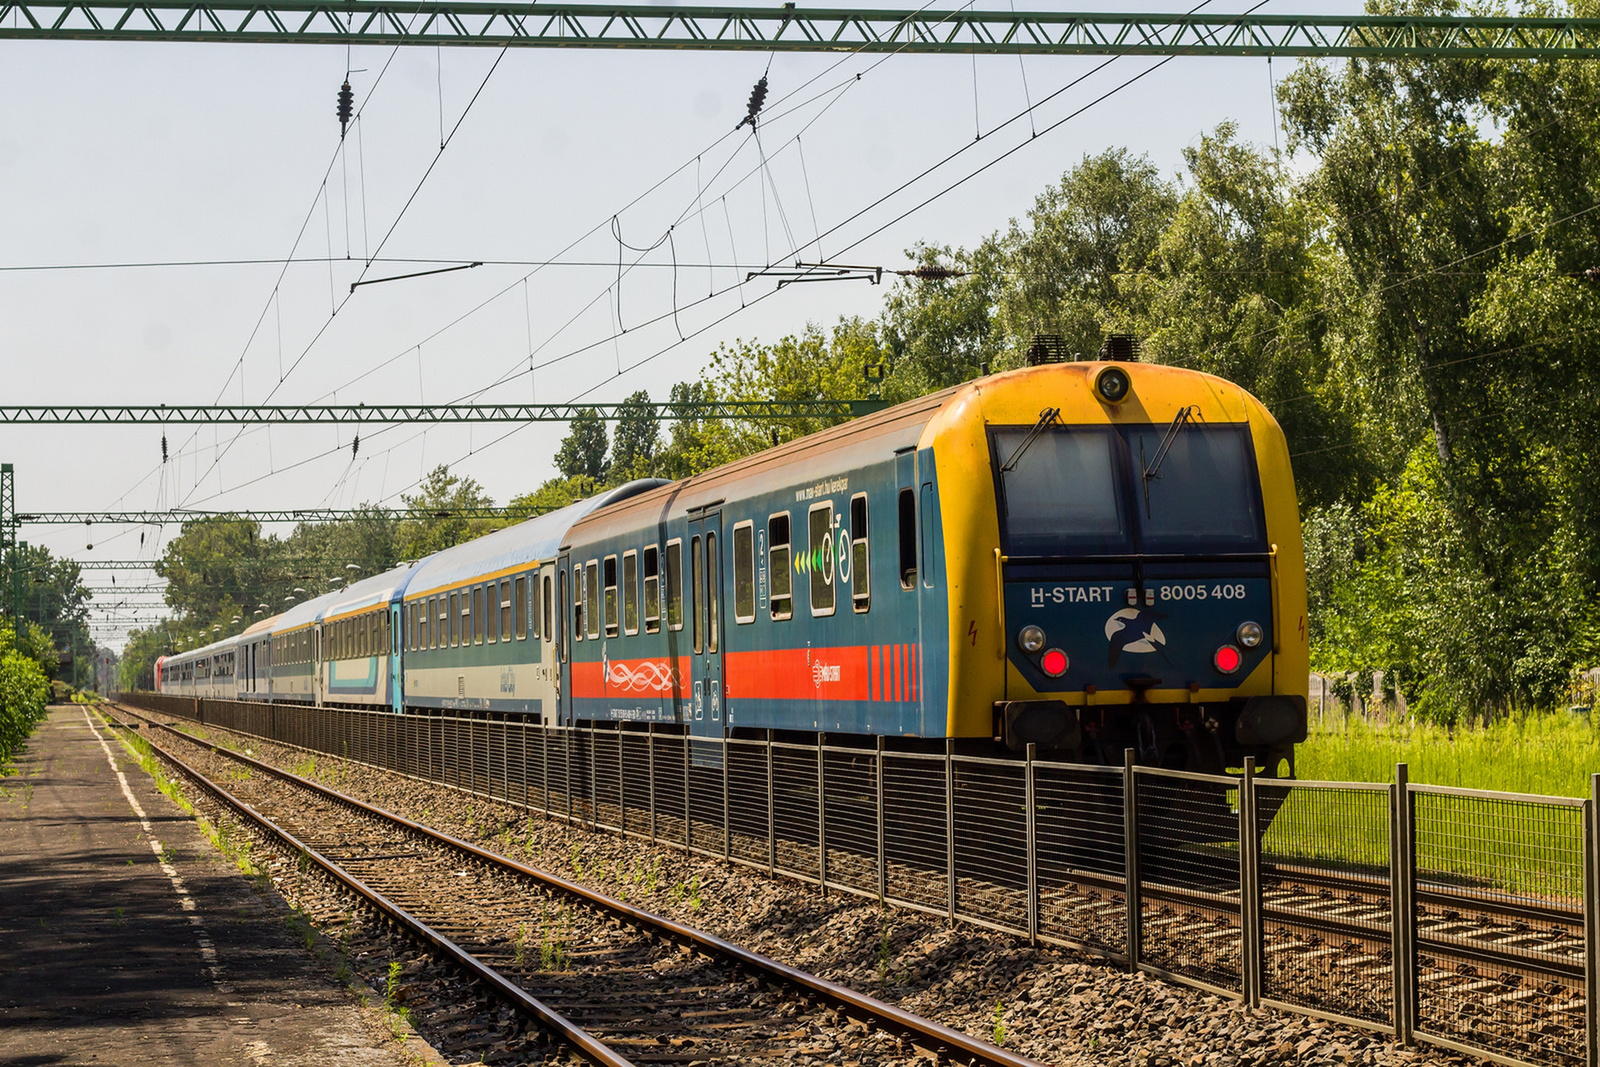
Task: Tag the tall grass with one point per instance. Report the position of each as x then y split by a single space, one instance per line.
1552 754
1521 847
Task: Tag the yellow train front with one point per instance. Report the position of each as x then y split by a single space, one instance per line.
1126 568
1087 557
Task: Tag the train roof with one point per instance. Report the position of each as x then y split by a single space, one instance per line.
260 625
370 592
533 541
798 462
304 613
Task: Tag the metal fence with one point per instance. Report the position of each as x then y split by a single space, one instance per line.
1457 917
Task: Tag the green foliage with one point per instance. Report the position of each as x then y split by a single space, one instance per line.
637 441
442 492
24 688
583 451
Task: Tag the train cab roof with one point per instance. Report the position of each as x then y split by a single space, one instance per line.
515 547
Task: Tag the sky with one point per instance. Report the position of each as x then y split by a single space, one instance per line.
152 153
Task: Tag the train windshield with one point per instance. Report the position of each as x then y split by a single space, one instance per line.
1060 491
1202 495
1076 490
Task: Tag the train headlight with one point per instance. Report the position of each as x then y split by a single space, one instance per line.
1031 638
1227 659
1054 663
1248 634
1111 384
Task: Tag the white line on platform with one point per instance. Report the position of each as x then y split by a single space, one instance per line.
208 949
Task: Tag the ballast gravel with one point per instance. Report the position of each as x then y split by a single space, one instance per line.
1048 1003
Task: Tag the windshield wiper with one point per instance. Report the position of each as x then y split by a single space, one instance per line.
1179 421
1153 467
1047 418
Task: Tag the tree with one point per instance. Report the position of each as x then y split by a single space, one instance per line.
583 451
637 441
441 494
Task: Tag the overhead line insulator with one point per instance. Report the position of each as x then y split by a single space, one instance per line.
347 107
758 98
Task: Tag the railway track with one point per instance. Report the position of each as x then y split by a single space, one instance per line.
1495 971
612 982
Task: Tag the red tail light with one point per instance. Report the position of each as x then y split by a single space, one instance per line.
1053 662
1228 659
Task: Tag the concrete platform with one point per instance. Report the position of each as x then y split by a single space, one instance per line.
114 951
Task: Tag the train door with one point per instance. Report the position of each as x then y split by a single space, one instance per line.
316 664
397 677
905 632
542 621
563 622
705 641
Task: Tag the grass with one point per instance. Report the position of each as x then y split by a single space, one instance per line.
1550 754
1520 847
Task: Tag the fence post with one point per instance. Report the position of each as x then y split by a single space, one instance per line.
544 763
1130 858
622 785
883 861
1403 873
688 809
950 825
1028 794
566 743
1591 923
1249 886
822 816
772 816
650 748
727 823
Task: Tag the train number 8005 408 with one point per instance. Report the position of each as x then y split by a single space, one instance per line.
1203 592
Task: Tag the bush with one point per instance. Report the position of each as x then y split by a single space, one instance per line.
24 691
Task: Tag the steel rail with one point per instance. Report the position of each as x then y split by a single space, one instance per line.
360 414
496 23
886 1015
591 1047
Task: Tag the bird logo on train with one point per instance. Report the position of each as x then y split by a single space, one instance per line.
1134 630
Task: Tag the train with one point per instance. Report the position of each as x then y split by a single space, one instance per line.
1072 558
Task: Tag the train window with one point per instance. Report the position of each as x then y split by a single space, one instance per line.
489 623
472 618
561 644
696 597
578 598
674 585
609 567
630 592
929 514
744 573
411 627
520 598
505 611
652 589
860 575
549 609
908 539
1089 518
1204 496
441 622
455 615
591 595
819 557
781 597
713 589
